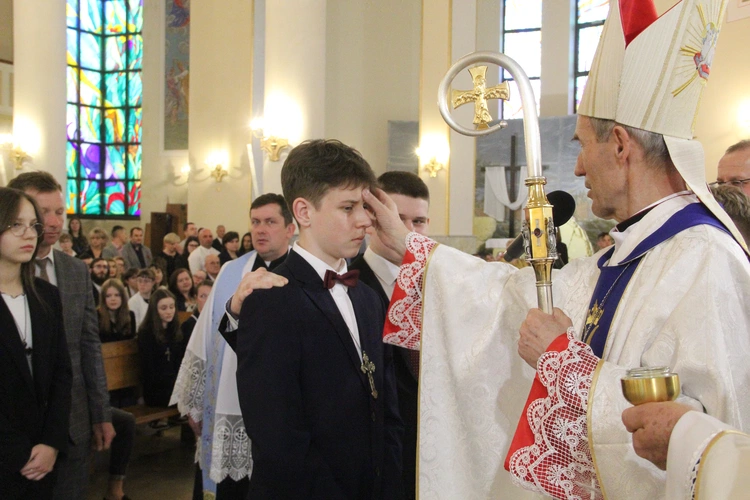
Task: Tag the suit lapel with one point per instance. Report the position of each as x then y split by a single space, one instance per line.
312 285
11 338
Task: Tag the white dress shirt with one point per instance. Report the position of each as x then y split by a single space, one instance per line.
338 292
385 270
197 258
50 267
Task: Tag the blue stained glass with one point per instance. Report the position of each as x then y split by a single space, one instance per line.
135 47
114 58
115 14
134 198
135 89
72 121
72 84
115 167
135 16
522 14
134 126
71 159
91 156
72 196
90 198
91 93
91 16
71 13
91 122
114 125
592 10
72 39
91 51
114 193
580 85
115 89
134 162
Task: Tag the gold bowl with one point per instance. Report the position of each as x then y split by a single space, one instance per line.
650 385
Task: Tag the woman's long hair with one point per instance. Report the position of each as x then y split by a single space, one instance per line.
151 324
10 206
122 316
185 251
242 250
173 283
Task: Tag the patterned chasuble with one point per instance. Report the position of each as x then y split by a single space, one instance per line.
613 280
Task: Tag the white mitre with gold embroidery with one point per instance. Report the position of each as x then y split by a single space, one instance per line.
649 73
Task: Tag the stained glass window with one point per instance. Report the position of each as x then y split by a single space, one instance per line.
590 17
105 53
522 41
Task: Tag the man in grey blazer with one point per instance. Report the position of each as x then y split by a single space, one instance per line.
135 253
90 412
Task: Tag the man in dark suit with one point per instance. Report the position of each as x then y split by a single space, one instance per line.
378 267
135 253
315 381
90 409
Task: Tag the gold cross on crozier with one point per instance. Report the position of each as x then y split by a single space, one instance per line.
479 96
368 368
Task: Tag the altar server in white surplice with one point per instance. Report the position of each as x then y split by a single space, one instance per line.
206 386
672 291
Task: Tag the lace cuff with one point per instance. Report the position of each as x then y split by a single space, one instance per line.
230 450
403 325
550 451
190 386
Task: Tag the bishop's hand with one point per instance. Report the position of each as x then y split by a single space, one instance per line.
538 331
651 425
386 220
258 279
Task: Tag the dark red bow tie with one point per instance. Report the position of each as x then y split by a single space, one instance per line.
347 279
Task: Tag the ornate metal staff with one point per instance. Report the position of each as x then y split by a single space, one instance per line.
538 228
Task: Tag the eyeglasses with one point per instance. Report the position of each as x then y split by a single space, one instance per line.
19 228
734 182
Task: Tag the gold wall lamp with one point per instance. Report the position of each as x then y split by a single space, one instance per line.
433 154
272 145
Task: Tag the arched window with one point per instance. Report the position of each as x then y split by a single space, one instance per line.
104 96
590 17
522 41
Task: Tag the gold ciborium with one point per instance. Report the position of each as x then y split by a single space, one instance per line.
650 385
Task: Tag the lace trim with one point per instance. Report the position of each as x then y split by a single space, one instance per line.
404 322
190 386
230 453
559 463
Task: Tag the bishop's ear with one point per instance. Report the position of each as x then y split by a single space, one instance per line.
623 142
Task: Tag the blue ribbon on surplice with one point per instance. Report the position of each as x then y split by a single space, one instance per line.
613 280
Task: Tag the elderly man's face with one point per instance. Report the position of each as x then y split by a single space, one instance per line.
220 231
735 168
212 265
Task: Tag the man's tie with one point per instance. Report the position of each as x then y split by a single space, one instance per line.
42 265
347 279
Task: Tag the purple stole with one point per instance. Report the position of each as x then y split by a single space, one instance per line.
613 280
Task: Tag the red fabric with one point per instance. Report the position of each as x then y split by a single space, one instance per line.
524 436
347 279
636 15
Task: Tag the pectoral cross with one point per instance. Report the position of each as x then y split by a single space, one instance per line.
169 354
479 96
368 368
592 322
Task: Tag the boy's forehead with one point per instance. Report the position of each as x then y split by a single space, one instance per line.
342 193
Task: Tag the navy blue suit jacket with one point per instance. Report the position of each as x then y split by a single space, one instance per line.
316 430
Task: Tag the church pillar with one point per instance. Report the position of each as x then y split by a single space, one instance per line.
295 65
221 49
434 135
557 47
40 83
465 20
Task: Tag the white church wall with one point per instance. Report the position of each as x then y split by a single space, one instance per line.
6 30
372 72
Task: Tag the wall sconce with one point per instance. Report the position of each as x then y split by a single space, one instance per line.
433 154
272 145
216 162
17 152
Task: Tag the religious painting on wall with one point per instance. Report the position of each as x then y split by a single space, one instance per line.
176 74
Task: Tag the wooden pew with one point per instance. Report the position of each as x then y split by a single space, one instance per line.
123 369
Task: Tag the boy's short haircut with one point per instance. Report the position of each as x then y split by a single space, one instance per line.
273 198
115 229
229 236
405 183
65 237
129 273
316 166
146 273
